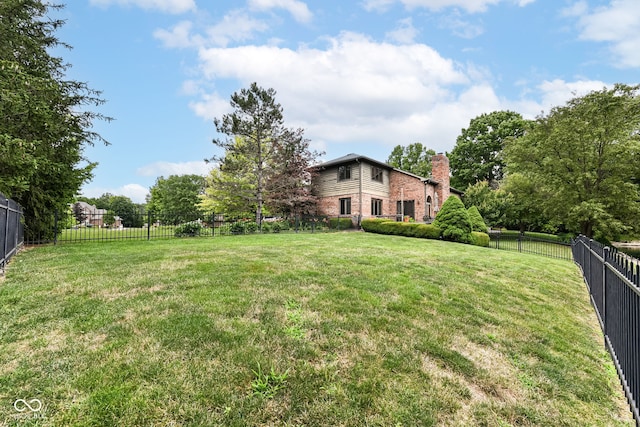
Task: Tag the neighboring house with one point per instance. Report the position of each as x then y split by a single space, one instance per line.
92 215
357 186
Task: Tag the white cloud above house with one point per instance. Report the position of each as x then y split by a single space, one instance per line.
167 6
136 192
298 9
404 33
166 169
470 6
356 89
617 25
235 27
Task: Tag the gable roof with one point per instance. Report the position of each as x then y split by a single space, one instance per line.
352 157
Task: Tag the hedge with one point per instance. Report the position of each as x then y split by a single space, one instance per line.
340 223
480 239
408 229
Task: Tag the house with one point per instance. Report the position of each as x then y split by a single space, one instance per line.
361 187
88 215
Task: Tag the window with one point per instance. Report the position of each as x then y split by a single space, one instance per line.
376 207
376 173
344 172
345 206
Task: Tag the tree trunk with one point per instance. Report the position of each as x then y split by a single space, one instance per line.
586 228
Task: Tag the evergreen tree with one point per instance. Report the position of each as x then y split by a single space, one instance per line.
44 127
453 221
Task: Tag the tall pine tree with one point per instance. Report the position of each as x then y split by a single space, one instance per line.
44 126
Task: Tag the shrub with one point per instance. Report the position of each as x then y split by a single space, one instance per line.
477 223
340 223
251 226
453 220
479 239
192 228
237 227
266 227
427 231
373 225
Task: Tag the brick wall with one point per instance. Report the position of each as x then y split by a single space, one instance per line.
440 172
407 187
331 205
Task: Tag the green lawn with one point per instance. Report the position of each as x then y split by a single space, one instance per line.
340 329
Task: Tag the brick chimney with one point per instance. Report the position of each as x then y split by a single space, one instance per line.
440 172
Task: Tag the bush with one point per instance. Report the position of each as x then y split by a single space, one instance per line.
480 239
477 223
427 231
251 226
340 223
192 228
237 228
266 227
373 225
408 229
453 220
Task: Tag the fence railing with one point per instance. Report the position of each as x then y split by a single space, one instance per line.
613 280
533 244
11 230
75 227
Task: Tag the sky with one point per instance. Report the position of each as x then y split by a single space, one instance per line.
358 76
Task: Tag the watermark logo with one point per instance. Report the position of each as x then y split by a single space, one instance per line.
32 405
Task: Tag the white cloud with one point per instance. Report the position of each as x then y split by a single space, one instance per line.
236 26
553 93
461 27
470 6
617 24
578 8
405 33
297 9
167 168
168 6
357 90
135 192
179 36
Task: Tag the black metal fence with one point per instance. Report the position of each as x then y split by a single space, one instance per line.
100 225
11 230
530 243
613 279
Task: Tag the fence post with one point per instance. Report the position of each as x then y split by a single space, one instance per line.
148 225
520 242
6 233
55 227
605 259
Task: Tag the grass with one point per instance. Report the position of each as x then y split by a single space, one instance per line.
341 329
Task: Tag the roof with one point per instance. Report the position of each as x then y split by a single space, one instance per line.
352 157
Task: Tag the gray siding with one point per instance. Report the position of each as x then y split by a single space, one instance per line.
328 184
375 188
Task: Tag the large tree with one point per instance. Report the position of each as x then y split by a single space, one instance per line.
289 187
477 155
261 157
583 160
44 126
176 199
414 158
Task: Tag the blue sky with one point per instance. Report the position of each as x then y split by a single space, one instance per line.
359 76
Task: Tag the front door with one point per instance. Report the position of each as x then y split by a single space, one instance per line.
409 209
